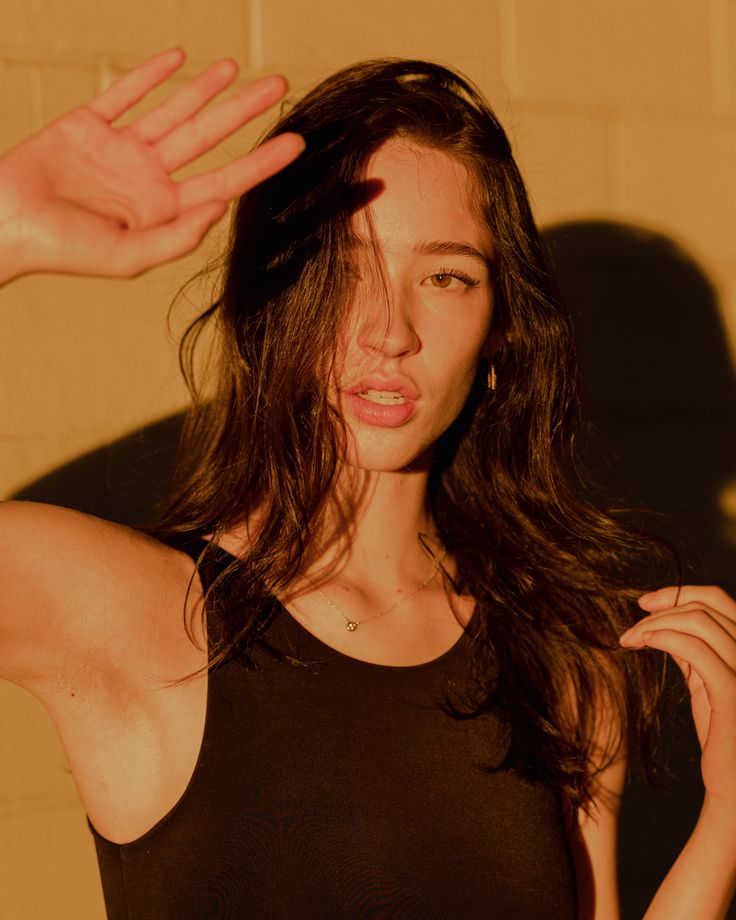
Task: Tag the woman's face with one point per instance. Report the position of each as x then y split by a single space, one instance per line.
412 342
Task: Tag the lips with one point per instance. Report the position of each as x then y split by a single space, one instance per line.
394 386
387 402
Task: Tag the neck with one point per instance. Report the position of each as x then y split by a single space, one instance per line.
375 527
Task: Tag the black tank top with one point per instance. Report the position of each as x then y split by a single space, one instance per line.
344 791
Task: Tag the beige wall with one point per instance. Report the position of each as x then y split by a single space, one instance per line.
623 110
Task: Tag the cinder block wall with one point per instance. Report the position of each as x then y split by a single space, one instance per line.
621 110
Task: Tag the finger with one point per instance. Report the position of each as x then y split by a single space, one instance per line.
242 174
133 86
185 103
695 608
161 244
661 599
684 667
207 129
674 595
694 623
718 677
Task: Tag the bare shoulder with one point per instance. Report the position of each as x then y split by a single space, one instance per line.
65 552
79 591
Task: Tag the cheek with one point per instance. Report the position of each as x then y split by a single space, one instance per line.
347 354
453 378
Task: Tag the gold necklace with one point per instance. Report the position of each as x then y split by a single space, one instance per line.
352 625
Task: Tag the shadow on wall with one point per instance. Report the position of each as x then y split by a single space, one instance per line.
659 399
660 405
121 481
658 385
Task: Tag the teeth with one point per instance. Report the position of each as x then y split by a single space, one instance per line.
384 397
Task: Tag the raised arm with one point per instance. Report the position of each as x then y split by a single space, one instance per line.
85 196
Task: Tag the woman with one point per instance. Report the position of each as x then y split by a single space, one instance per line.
368 661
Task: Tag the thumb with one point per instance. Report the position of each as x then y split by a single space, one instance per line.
157 245
662 599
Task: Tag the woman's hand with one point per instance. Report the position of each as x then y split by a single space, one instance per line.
697 627
86 197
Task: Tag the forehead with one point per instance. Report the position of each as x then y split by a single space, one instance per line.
424 195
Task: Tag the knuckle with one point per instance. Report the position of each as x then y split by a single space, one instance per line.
700 618
717 594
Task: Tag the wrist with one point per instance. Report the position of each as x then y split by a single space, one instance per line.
15 258
720 818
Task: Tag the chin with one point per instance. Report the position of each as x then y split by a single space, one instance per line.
389 458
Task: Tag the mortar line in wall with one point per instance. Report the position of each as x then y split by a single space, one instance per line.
616 129
509 45
37 119
720 53
255 11
610 163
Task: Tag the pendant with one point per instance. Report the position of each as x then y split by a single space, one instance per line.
351 625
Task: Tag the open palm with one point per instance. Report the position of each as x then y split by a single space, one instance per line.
84 196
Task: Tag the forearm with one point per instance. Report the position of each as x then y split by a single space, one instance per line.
702 881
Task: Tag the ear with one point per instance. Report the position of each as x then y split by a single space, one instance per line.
496 341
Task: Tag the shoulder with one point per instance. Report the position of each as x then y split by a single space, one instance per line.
81 592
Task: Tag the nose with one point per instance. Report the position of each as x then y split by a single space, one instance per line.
388 329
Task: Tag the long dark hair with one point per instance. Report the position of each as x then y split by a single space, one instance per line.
549 571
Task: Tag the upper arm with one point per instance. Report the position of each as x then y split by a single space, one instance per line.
78 594
593 844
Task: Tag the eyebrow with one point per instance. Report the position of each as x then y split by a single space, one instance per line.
436 248
450 248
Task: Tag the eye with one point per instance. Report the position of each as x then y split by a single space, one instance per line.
449 278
